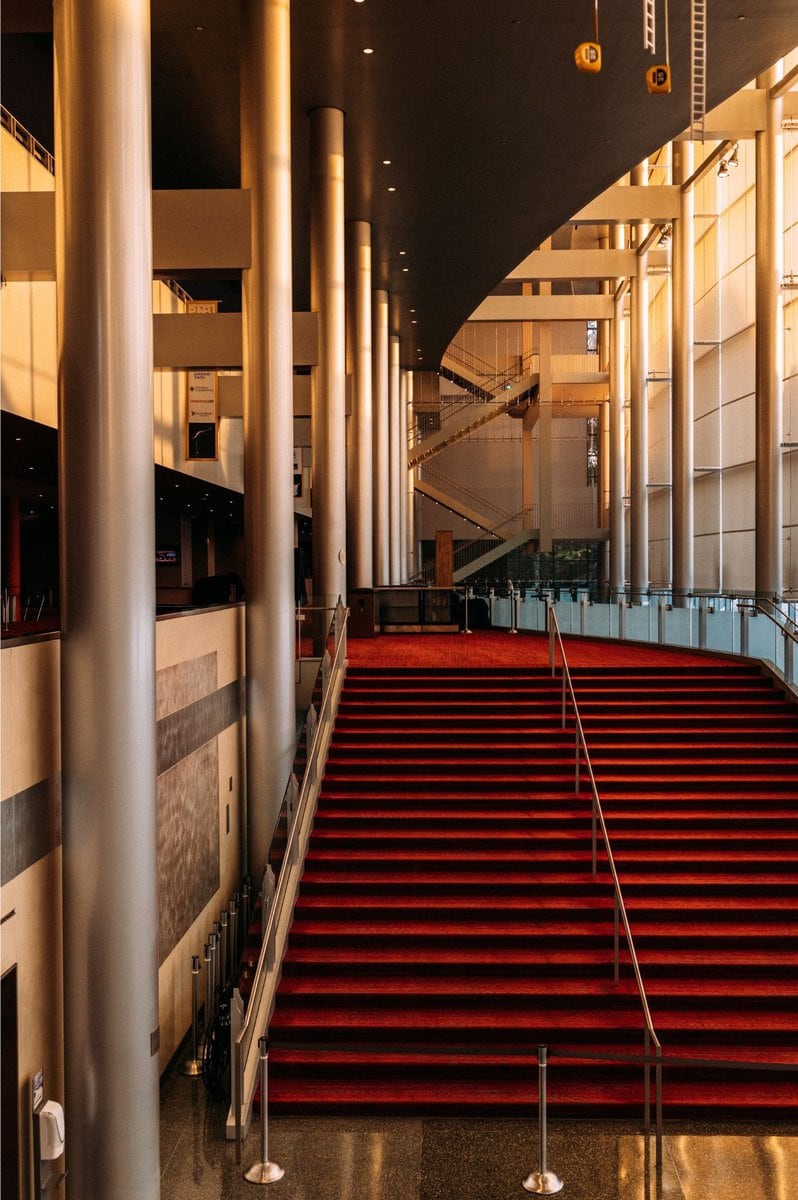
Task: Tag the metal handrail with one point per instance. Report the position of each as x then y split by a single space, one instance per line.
264 984
25 138
465 495
620 913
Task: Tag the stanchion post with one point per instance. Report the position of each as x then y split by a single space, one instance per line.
264 1171
208 985
224 921
213 942
542 1182
193 1065
235 948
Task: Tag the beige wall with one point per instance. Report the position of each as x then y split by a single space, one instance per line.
30 900
28 374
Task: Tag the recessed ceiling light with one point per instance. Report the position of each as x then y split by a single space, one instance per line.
391 189
368 50
403 252
414 321
405 269
386 162
412 310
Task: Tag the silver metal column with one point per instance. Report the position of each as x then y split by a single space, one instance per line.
108 750
682 399
394 459
404 390
268 417
410 478
769 344
617 440
638 412
360 475
382 565
328 299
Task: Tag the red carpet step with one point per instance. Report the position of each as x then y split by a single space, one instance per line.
449 920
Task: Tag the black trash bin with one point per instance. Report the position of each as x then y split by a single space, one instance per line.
361 613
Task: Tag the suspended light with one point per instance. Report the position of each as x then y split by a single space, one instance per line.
723 169
732 160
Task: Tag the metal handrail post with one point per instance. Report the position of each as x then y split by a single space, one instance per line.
542 1182
551 635
208 985
264 1171
577 764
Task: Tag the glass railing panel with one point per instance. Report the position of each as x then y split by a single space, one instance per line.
765 640
677 627
721 631
638 622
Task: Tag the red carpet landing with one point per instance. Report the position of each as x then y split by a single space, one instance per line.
448 903
497 648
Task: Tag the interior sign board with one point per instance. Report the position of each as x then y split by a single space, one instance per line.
202 402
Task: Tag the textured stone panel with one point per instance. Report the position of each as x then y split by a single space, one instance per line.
183 732
178 686
30 826
188 843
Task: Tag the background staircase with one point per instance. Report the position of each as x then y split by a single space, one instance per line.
448 901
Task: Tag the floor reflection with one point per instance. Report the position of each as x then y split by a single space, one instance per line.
337 1158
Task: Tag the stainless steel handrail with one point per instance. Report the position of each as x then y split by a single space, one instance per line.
264 984
620 914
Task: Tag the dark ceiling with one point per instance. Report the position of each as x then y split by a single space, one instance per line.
495 139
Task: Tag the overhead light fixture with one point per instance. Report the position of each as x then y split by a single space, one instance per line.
723 169
386 162
368 50
665 236
403 252
405 269
732 160
391 189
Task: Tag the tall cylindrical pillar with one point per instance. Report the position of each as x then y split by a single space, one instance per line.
360 474
769 345
409 476
617 577
682 396
639 571
268 417
12 556
108 750
394 459
403 393
328 299
382 528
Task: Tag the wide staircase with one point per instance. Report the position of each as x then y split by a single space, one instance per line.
449 919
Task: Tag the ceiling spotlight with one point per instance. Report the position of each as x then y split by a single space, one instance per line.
665 236
723 169
405 269
368 50
402 252
386 162
732 160
391 189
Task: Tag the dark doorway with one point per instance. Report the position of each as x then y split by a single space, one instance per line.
9 1089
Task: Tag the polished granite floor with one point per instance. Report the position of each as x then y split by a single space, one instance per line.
341 1158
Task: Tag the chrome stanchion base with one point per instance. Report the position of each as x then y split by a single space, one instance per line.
192 1067
264 1173
544 1183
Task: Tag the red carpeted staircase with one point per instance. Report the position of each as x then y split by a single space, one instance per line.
448 901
